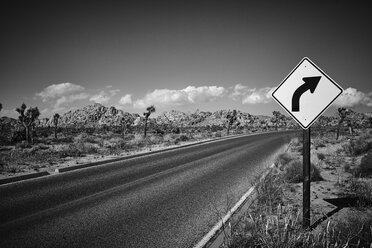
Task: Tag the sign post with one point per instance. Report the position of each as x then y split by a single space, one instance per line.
305 94
306 182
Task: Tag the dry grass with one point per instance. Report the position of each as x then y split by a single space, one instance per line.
293 172
270 224
273 222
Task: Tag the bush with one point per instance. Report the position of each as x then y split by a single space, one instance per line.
362 190
184 138
294 172
365 167
283 159
138 141
269 191
23 144
320 156
218 134
357 147
69 151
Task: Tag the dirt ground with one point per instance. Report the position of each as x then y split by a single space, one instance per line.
87 158
336 170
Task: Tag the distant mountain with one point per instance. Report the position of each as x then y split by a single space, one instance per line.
203 119
97 115
92 115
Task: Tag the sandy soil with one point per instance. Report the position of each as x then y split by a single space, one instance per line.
335 184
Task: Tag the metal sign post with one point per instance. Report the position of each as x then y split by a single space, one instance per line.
305 94
306 178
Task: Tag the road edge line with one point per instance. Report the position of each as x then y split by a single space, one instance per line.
211 238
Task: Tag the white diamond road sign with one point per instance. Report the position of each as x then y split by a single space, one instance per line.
306 93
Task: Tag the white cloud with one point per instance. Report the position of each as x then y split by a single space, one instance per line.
189 95
252 96
57 90
58 106
127 99
113 92
352 97
103 97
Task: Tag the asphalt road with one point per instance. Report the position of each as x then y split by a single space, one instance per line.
168 199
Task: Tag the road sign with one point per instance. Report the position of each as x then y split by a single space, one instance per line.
306 93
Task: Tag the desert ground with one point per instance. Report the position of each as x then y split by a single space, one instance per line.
340 168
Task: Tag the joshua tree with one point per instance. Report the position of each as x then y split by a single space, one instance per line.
27 119
277 118
231 118
147 114
55 122
126 124
342 112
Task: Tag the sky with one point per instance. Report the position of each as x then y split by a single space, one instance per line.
182 55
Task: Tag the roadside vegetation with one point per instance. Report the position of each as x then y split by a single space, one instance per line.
30 144
341 166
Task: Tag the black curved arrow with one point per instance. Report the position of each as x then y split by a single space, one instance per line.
310 84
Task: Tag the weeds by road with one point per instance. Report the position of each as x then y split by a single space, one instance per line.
340 168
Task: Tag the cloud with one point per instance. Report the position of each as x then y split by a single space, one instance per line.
58 106
189 95
127 99
103 97
252 96
352 97
57 90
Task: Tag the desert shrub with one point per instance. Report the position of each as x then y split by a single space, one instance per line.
138 141
218 134
357 147
215 128
295 142
129 136
87 148
299 149
156 139
362 190
90 130
170 137
176 130
198 136
69 151
282 228
184 138
365 167
238 131
22 145
177 141
320 156
283 159
294 172
18 136
89 139
269 191
10 168
347 168
318 143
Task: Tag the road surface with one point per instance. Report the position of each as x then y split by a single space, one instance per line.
168 199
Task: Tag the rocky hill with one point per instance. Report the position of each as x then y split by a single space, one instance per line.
93 116
97 115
